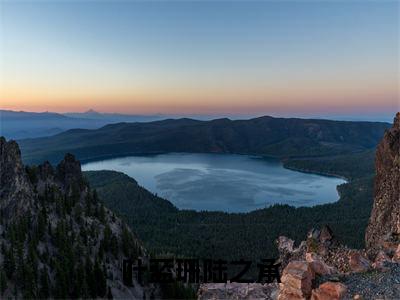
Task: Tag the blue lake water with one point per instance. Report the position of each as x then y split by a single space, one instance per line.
222 182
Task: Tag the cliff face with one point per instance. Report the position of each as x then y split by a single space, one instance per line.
384 225
57 239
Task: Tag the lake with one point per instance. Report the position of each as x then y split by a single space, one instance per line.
223 182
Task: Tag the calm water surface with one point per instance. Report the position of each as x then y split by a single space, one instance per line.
231 183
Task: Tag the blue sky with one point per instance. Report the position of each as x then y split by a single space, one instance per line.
222 57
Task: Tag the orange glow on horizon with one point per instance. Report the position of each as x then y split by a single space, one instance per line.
297 96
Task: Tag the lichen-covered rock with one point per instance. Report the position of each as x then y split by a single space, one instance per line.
384 223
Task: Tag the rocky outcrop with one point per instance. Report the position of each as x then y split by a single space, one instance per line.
384 223
288 252
327 270
14 182
321 249
69 173
320 268
53 227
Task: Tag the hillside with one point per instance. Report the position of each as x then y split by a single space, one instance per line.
264 136
336 165
57 239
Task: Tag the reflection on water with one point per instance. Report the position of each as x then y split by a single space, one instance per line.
231 183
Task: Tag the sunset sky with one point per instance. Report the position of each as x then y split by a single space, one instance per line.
195 57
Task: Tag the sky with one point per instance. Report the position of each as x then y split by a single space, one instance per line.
201 57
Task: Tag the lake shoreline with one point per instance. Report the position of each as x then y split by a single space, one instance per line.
217 182
283 161
308 171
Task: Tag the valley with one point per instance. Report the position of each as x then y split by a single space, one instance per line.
315 146
166 229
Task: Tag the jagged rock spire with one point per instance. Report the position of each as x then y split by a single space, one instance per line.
384 225
397 121
69 172
15 188
11 168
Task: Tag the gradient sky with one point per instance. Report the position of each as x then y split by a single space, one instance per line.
205 57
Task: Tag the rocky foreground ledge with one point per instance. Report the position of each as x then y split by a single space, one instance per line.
320 268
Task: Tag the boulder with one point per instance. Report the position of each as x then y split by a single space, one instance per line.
296 281
380 261
329 291
318 265
358 263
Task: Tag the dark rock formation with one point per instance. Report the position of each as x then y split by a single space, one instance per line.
69 173
383 230
14 182
56 237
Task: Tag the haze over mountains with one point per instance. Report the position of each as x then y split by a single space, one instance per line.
20 124
23 124
269 136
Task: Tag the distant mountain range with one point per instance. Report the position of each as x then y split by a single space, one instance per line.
20 124
279 137
114 117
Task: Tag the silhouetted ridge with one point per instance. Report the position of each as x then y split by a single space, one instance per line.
260 136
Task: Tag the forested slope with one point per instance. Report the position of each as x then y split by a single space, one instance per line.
164 228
